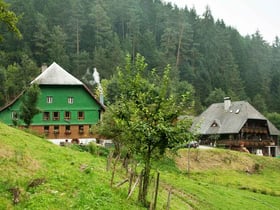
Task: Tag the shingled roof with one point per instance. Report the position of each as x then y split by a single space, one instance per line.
56 75
230 120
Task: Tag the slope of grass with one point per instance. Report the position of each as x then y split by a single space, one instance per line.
52 177
71 179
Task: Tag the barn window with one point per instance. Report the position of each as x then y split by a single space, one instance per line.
49 99
55 115
81 128
67 115
46 115
56 129
81 115
46 129
67 129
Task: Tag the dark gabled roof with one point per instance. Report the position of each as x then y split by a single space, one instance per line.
216 120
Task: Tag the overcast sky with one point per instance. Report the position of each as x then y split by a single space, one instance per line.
247 16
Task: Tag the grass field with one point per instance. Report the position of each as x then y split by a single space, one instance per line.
47 176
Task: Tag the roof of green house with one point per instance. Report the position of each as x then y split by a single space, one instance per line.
228 121
56 75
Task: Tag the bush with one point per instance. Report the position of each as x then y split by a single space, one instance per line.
92 148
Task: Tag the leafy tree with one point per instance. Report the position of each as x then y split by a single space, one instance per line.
145 115
13 84
216 96
259 103
274 87
39 40
274 118
257 68
57 46
28 108
207 53
2 84
8 18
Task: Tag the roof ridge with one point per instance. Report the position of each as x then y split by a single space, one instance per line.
56 75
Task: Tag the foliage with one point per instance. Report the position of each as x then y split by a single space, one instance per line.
274 118
92 148
215 96
201 50
145 115
9 18
28 107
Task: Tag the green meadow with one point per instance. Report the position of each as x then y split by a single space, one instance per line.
36 174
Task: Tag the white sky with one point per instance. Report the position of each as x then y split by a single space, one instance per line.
247 16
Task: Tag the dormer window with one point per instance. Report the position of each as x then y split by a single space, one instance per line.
49 99
214 124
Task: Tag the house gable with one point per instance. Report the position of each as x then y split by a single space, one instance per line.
67 107
231 120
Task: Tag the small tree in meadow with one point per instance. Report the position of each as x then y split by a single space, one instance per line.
28 107
144 115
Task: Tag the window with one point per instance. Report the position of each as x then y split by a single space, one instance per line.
70 100
81 115
67 115
14 115
81 128
46 115
55 115
46 129
56 129
67 129
49 99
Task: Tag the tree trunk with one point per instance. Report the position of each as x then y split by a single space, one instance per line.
179 45
114 170
146 177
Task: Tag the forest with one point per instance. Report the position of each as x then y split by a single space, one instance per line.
208 58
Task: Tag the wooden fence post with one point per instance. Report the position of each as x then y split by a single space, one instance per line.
154 204
168 199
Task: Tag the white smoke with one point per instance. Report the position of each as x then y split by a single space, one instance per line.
96 78
93 79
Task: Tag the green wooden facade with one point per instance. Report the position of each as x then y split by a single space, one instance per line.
67 111
72 99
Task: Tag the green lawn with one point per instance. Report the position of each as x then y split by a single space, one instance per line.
78 180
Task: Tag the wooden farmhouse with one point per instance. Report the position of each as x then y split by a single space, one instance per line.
68 109
237 125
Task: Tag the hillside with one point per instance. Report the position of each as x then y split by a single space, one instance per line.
202 50
53 177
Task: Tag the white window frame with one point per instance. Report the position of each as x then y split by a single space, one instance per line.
14 115
49 99
70 100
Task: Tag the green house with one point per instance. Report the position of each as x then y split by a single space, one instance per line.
68 109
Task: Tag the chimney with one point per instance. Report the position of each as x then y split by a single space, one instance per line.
227 103
44 67
101 98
